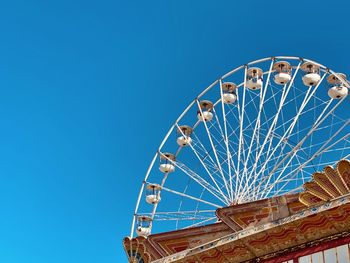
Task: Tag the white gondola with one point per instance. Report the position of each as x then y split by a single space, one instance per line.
283 72
144 226
312 74
254 78
206 107
229 92
184 133
153 194
166 163
337 90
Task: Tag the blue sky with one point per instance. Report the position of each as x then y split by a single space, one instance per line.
89 88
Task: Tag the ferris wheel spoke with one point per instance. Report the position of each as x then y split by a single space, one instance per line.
214 149
251 193
253 189
228 152
224 135
206 157
201 181
285 93
234 114
266 138
241 114
257 124
309 147
347 156
343 151
182 215
323 164
294 151
282 113
274 126
232 155
222 152
307 98
182 200
196 209
290 134
197 143
217 192
207 165
285 166
202 148
214 171
218 141
273 160
337 149
312 135
245 141
325 127
256 133
330 132
236 130
190 197
265 190
319 151
323 148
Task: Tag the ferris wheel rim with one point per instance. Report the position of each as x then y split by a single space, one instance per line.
175 125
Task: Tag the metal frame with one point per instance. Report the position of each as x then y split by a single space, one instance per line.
231 186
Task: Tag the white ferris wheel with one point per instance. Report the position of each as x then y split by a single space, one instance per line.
261 130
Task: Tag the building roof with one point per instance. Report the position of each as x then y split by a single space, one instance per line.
260 229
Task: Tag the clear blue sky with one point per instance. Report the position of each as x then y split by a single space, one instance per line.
89 88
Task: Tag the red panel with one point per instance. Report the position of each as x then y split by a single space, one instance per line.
308 251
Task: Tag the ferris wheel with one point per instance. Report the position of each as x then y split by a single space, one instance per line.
261 130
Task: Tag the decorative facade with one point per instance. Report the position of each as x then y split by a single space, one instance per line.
312 226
